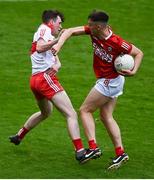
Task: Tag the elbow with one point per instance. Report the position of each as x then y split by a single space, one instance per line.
138 53
141 54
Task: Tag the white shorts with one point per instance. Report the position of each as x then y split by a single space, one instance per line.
110 87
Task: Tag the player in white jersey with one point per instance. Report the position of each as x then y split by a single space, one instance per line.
42 61
45 85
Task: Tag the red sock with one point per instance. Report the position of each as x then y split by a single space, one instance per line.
78 144
22 132
92 144
119 151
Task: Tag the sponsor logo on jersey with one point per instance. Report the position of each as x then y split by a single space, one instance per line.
101 53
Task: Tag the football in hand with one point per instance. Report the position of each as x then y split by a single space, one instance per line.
124 62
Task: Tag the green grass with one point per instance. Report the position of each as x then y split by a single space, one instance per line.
47 151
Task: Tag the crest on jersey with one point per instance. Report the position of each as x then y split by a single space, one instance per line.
109 49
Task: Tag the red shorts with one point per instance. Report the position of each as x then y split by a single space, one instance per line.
44 86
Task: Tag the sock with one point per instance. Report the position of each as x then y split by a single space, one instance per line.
78 144
119 151
92 144
22 132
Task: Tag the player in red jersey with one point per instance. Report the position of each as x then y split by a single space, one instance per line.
109 85
45 85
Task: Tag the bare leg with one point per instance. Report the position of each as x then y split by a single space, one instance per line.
111 125
114 132
45 110
34 120
93 101
63 103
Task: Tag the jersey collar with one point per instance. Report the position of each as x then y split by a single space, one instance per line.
49 26
110 34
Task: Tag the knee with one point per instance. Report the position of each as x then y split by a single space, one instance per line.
45 114
72 114
105 117
84 109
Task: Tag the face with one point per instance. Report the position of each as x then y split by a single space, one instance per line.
95 28
57 25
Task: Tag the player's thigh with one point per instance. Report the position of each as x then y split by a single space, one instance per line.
94 100
107 109
63 103
45 106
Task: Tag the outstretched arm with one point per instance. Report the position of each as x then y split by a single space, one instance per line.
66 35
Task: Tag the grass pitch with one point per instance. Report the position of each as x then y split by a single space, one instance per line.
47 151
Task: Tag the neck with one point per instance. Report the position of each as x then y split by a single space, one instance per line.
104 33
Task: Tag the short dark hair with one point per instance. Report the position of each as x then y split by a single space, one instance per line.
51 14
98 16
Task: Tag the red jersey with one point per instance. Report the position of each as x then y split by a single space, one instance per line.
105 52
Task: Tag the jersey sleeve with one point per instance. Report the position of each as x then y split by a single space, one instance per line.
44 33
87 29
125 47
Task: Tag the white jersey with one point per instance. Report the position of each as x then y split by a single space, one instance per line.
42 61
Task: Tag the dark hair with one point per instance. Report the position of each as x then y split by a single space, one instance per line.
98 16
51 14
